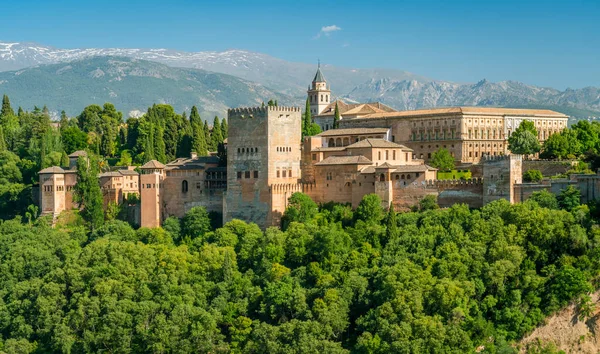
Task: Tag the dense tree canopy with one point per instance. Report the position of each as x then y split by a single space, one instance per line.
442 159
446 280
524 139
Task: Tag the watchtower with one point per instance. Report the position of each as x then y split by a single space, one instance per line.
263 150
319 94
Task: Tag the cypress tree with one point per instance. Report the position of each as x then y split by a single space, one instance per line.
307 120
391 224
88 193
149 143
6 108
159 145
336 117
198 136
207 138
185 137
224 128
216 136
20 112
64 159
2 140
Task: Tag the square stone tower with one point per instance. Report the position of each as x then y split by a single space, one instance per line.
263 150
151 193
500 175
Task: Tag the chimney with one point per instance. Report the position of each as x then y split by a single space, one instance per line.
193 155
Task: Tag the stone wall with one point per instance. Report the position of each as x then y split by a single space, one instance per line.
548 168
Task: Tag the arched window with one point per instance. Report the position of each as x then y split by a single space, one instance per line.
331 143
402 177
184 186
382 177
338 142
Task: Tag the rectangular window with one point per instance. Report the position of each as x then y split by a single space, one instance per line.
379 155
314 157
393 138
239 175
394 154
469 133
290 173
255 174
247 174
198 185
284 173
278 173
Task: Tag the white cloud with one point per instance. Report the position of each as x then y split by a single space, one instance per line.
327 30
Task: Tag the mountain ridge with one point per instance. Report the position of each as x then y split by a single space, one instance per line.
132 85
399 89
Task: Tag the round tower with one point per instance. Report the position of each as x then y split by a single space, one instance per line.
319 94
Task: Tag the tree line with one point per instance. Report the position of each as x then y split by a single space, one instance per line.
31 141
332 280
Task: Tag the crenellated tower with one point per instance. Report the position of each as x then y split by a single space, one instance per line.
263 150
319 94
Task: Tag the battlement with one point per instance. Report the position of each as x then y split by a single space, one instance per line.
453 183
491 158
256 110
292 187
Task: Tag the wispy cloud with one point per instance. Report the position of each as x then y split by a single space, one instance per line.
327 30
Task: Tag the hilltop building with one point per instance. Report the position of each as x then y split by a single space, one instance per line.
377 150
469 133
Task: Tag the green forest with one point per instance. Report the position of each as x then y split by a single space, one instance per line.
331 279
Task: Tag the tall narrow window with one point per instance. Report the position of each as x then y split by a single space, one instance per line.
184 186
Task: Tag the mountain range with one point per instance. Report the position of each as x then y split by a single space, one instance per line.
250 78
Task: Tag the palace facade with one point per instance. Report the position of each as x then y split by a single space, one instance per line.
376 150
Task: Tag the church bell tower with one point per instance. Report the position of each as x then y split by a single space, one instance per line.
319 94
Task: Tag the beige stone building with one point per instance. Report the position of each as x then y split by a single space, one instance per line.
469 133
376 150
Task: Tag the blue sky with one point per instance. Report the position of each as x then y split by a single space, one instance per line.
546 43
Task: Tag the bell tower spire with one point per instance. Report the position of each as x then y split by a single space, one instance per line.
319 94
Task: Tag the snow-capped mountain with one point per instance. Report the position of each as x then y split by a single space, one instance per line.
399 89
287 77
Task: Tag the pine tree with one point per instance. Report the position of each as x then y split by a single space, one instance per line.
20 112
199 145
336 117
2 140
307 120
224 128
217 135
64 160
6 108
88 193
209 146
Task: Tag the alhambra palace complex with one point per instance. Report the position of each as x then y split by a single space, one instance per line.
375 150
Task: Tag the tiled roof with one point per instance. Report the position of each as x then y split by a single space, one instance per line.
319 76
468 110
325 149
414 168
356 108
377 143
153 164
111 174
353 131
198 163
400 169
53 169
78 153
128 172
345 160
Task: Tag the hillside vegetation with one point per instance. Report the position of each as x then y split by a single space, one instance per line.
132 85
335 280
